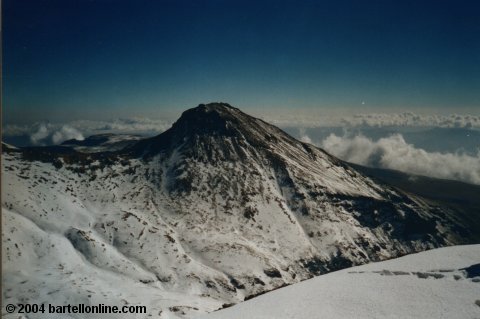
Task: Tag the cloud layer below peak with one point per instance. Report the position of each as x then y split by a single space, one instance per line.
405 119
45 134
40 134
393 152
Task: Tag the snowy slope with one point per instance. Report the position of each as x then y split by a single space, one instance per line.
46 268
441 283
217 209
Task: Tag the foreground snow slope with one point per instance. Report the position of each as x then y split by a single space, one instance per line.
441 283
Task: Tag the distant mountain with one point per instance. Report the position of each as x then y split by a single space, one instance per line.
102 143
217 209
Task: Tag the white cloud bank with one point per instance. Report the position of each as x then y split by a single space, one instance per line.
55 133
394 153
407 119
135 125
304 137
45 134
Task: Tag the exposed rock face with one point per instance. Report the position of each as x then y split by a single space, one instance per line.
220 207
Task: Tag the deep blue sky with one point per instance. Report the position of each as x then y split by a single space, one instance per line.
102 57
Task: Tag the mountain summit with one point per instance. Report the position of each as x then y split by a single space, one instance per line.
218 121
209 119
214 119
217 209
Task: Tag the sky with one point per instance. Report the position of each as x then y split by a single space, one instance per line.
71 59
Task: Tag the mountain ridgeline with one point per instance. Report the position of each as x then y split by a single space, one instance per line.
217 209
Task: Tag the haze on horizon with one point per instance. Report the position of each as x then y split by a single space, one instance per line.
67 60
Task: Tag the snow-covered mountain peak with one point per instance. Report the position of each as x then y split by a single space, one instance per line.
219 107
216 125
217 209
212 118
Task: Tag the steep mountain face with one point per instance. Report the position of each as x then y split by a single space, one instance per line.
219 208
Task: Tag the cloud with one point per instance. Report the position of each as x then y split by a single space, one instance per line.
313 118
55 133
66 133
40 134
394 153
409 119
135 125
17 130
304 137
46 134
